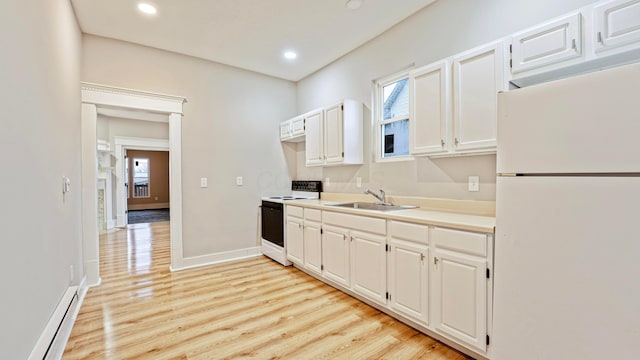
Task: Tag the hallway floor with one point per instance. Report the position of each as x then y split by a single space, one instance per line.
250 309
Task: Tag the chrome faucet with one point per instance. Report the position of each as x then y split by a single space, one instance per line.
381 196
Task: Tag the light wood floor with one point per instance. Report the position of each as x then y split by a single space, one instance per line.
253 309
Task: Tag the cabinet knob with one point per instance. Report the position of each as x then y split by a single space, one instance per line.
457 141
573 44
435 261
442 142
600 37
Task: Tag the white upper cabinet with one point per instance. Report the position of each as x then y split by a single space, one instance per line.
478 76
430 111
547 44
285 130
292 130
617 23
314 144
334 135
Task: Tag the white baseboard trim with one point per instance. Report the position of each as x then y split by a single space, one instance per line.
216 258
148 206
56 328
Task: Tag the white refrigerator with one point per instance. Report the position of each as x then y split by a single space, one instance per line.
567 247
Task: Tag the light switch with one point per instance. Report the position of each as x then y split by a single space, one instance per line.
203 182
239 181
474 183
358 182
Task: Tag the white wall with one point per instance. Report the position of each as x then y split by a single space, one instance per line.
110 127
40 44
440 30
229 129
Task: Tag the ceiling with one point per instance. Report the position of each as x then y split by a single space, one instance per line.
249 34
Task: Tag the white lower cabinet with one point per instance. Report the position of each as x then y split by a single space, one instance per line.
335 255
368 266
294 237
436 277
312 247
459 286
409 279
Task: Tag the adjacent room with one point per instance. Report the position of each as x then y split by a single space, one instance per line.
342 179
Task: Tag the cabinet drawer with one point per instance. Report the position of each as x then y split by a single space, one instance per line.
294 211
313 215
408 231
355 222
472 243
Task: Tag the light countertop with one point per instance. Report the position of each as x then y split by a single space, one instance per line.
454 220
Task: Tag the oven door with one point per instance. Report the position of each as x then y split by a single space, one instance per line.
272 223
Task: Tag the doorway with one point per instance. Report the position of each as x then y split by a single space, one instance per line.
130 104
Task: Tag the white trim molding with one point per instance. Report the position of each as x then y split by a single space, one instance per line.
129 104
216 258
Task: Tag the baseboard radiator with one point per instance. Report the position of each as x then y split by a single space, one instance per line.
53 340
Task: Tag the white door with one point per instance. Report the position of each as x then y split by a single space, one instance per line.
295 245
334 136
460 296
314 138
335 255
408 279
566 266
547 44
368 266
312 247
478 75
617 24
430 111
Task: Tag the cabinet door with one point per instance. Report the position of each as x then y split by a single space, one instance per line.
430 110
368 266
550 43
285 129
297 126
335 255
460 296
478 76
312 247
313 138
334 136
295 246
408 279
617 24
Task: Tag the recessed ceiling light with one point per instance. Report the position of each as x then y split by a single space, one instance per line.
290 55
353 4
147 8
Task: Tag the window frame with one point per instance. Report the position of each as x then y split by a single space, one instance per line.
378 118
133 177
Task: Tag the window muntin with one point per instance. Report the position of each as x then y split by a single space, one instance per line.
393 117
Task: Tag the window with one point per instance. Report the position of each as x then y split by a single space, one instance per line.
140 178
392 120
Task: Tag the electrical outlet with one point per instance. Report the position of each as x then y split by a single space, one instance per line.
71 275
203 182
327 181
474 183
239 181
358 182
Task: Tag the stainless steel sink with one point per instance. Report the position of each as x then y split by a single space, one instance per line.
373 206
